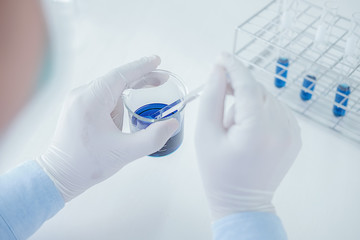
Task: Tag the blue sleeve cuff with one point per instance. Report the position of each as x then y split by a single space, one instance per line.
249 226
28 198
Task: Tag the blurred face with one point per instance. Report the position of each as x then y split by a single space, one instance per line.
22 41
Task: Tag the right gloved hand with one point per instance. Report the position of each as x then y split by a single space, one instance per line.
243 158
88 146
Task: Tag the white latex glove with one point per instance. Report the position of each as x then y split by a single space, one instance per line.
243 158
88 146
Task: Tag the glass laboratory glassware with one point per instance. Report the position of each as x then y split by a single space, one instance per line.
321 41
147 97
349 63
288 12
327 21
341 99
281 71
309 83
352 48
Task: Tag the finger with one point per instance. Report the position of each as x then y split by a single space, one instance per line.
109 87
288 128
211 109
229 118
154 137
292 124
229 89
152 79
249 96
239 75
135 70
285 122
117 114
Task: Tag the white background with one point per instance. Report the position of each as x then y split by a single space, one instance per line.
162 198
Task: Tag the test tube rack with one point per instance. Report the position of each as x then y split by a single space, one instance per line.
256 44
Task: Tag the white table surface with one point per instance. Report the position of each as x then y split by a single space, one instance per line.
162 198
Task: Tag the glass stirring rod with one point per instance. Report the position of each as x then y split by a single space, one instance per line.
175 106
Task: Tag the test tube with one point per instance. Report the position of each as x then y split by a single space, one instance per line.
281 71
321 41
288 19
309 83
349 62
341 98
327 21
352 48
289 14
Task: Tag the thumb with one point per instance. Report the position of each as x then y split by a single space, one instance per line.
249 95
154 137
108 88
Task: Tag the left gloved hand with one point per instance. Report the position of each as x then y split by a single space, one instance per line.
88 146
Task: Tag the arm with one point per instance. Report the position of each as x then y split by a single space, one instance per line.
87 148
28 198
243 154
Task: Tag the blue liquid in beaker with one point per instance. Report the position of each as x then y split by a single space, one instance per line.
147 111
345 90
307 83
281 71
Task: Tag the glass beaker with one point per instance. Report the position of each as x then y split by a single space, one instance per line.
148 97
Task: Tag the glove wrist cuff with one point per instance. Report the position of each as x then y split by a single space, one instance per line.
60 174
241 200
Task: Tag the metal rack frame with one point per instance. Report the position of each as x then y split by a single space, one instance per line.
256 42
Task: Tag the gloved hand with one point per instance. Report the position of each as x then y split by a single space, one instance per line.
243 156
88 146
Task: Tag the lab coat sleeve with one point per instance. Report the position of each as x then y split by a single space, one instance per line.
28 198
249 226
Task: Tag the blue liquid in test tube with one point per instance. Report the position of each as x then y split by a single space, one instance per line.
281 70
309 83
342 89
147 111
